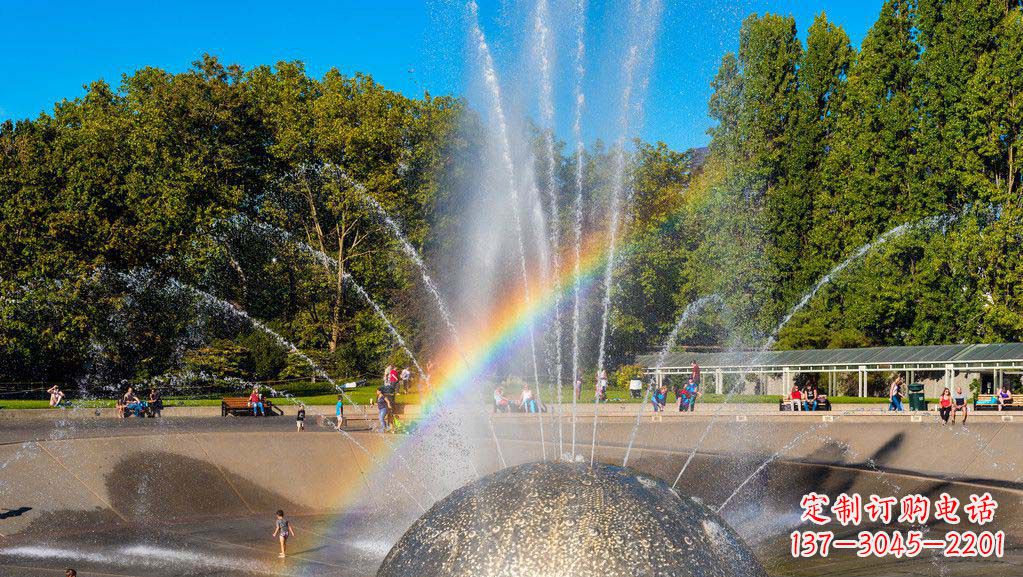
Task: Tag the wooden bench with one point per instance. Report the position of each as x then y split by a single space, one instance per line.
239 406
784 405
1013 406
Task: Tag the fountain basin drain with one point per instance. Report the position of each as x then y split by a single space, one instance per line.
566 519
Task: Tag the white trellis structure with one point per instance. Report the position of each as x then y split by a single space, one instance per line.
936 366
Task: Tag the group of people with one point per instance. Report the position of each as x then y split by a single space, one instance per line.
950 404
401 381
599 389
806 398
129 404
685 396
527 401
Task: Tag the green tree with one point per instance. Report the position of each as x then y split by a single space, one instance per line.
790 208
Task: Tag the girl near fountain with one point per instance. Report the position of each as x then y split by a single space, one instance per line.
339 411
945 405
959 404
56 395
282 531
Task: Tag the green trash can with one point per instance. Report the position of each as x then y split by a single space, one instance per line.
916 397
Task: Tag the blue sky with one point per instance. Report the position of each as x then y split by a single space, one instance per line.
53 47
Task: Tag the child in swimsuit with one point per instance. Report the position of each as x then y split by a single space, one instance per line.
282 531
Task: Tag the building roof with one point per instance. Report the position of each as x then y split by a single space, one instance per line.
928 355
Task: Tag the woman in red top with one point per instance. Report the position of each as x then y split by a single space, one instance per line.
256 402
796 398
945 404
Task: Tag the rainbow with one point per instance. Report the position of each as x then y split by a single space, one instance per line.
459 369
508 326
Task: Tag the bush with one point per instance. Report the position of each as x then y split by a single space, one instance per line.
625 374
268 358
222 358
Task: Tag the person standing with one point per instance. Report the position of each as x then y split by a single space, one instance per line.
895 395
660 399
696 372
601 391
406 377
339 412
390 390
384 409
578 388
282 531
692 392
424 384
155 403
300 419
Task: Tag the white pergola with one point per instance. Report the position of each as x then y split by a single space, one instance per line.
998 359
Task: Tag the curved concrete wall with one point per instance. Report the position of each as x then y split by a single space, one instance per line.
86 482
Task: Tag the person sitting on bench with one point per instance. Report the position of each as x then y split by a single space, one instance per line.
1004 397
132 403
945 405
810 398
256 402
527 402
56 395
795 398
501 402
959 404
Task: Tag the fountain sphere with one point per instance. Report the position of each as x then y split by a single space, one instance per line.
563 519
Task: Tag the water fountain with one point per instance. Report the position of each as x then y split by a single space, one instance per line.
468 491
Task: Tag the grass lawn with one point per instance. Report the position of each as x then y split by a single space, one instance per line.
360 396
366 395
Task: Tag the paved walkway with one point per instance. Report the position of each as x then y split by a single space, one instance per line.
609 410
